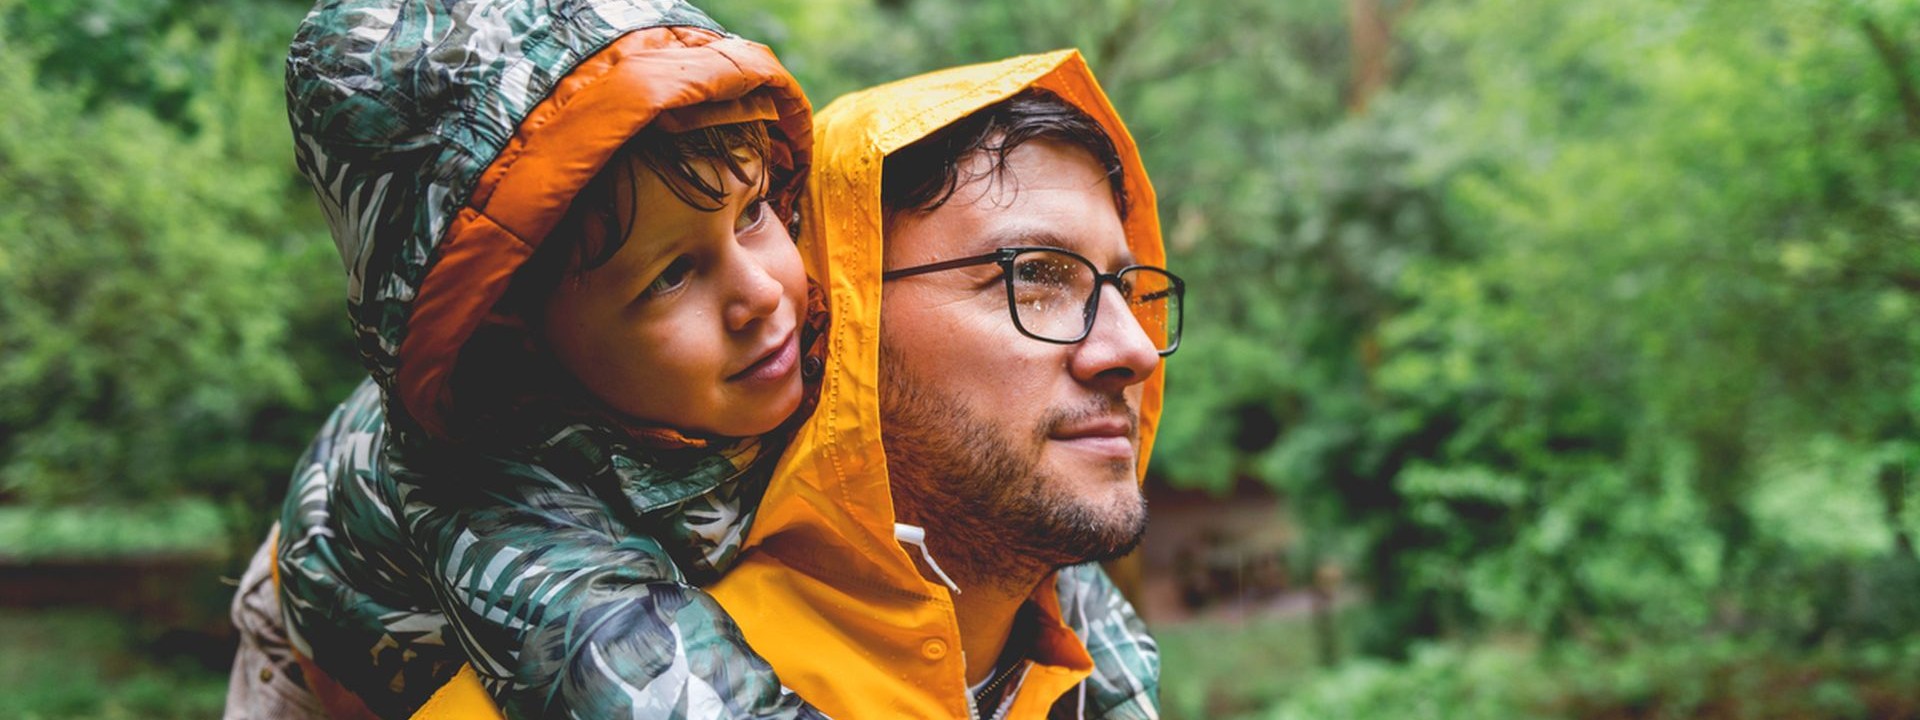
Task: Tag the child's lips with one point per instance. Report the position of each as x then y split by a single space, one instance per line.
775 364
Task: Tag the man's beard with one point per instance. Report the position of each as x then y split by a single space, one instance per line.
992 516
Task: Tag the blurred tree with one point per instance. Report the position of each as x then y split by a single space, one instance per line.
1692 232
167 291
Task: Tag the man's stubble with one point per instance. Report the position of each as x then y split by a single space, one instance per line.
993 516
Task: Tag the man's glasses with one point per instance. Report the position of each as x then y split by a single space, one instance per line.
1054 294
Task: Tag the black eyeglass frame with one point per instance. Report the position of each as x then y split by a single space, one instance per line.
1005 257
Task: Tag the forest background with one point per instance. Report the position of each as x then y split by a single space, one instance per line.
1577 340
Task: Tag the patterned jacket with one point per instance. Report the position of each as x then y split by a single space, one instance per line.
562 562
569 587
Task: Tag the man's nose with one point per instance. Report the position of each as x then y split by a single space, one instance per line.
1118 352
755 291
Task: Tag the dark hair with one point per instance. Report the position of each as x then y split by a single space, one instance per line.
923 176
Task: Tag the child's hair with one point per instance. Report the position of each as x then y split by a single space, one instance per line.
501 365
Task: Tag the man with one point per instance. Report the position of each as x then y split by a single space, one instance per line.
992 433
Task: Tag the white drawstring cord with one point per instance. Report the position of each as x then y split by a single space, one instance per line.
917 536
1080 606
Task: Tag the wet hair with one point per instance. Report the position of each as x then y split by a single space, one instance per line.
923 176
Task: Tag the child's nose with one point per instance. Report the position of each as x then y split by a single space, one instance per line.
756 294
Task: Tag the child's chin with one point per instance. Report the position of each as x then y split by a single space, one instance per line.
765 418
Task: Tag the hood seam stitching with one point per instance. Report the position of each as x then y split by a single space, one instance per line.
676 32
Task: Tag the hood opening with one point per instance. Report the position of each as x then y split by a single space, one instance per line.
679 77
505 375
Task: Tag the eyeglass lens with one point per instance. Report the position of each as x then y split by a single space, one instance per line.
1053 297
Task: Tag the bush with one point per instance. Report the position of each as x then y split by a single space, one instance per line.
170 301
1710 677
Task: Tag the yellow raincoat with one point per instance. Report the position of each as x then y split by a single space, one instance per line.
823 591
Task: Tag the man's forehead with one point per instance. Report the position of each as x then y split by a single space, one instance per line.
1044 194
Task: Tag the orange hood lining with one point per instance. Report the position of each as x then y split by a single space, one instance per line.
680 77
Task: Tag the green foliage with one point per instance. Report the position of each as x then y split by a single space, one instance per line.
78 665
1232 668
190 526
164 273
1713 677
1689 289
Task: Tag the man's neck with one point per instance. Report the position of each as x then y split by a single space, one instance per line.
986 613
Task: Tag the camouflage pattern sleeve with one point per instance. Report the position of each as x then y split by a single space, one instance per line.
565 612
1125 684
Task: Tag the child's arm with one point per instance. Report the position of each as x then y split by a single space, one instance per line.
565 612
1125 684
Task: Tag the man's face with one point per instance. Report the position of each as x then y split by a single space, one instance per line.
1007 448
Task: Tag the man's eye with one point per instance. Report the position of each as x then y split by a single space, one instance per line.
1042 271
671 278
751 216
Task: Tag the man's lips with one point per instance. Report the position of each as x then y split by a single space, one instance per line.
773 363
1110 435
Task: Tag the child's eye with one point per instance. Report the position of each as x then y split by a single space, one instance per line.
751 216
671 278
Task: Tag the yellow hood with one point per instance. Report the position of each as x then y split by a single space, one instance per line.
824 591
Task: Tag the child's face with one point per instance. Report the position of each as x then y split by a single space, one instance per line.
695 321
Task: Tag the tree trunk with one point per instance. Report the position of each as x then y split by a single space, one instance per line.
1370 53
1326 633
1893 496
1894 57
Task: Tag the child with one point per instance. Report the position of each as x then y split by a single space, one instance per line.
589 336
574 288
569 510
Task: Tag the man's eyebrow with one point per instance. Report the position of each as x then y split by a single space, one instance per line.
1041 237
